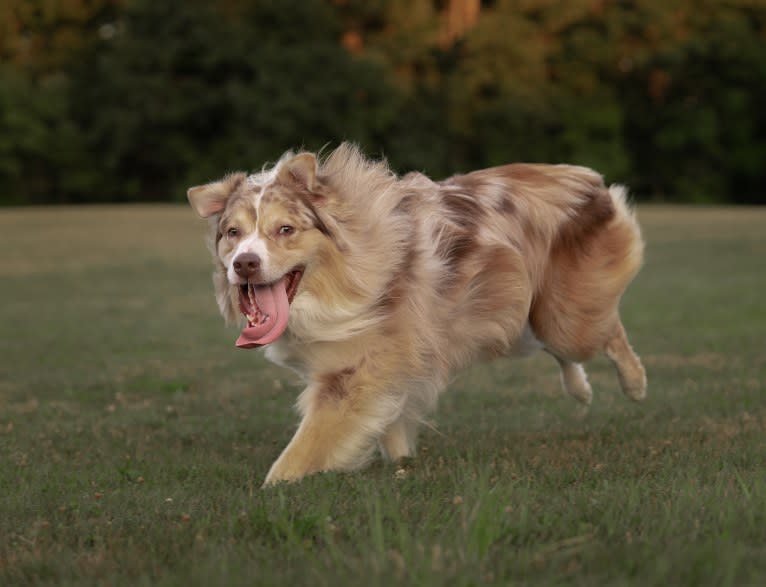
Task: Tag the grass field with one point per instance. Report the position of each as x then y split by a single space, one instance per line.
134 437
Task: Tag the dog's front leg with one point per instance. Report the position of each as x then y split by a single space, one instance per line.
343 416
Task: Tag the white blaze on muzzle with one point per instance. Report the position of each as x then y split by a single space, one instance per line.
252 244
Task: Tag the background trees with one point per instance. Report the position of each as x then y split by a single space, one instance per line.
137 99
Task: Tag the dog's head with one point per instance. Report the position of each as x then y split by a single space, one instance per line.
268 231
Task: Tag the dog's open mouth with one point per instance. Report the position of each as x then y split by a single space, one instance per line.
266 307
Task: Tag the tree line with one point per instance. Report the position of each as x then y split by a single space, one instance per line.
133 100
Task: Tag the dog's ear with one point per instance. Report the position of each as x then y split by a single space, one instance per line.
211 198
301 169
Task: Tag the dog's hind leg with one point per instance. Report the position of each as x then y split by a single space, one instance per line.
574 380
629 368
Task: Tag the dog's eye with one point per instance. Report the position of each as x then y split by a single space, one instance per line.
232 232
286 229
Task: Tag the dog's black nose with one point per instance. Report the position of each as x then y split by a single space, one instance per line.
246 264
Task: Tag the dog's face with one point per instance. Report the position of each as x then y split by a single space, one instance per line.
270 232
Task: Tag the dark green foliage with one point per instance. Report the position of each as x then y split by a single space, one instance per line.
155 96
701 137
40 148
184 94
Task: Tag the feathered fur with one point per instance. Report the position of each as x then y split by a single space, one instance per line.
406 280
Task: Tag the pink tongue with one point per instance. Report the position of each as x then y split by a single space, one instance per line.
272 302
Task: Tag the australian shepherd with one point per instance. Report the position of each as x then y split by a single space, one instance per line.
376 288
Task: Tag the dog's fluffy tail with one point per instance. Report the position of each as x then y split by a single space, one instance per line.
626 223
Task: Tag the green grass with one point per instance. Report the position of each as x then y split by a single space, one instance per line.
134 437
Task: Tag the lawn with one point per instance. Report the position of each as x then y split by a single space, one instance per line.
134 436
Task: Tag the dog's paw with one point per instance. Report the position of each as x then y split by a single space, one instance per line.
287 470
633 383
269 482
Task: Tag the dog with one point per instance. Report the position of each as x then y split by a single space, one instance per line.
376 288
